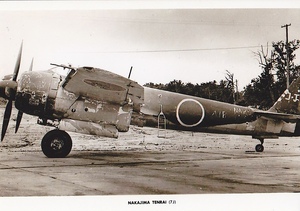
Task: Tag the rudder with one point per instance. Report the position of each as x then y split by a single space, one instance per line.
288 102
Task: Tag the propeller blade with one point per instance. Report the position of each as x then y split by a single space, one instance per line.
6 118
18 63
20 113
31 65
19 118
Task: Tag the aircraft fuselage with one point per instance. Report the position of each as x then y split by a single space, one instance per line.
42 94
193 112
189 113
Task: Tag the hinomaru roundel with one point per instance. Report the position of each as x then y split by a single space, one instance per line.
190 112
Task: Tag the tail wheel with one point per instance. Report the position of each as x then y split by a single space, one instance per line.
259 148
56 144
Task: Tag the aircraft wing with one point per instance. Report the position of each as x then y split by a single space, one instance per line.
102 85
278 116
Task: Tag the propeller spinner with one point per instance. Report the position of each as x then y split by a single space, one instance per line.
8 91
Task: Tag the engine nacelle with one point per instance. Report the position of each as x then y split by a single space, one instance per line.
36 93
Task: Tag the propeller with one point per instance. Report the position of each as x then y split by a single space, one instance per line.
6 118
10 88
19 118
20 113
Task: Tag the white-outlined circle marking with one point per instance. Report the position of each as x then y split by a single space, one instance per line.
178 117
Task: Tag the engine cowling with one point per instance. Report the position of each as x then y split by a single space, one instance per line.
36 93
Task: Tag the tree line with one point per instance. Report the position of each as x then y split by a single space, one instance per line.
210 90
261 92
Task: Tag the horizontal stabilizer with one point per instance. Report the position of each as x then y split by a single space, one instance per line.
278 116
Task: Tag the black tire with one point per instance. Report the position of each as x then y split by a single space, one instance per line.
259 148
56 144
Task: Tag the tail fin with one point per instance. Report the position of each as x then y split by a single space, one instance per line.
288 102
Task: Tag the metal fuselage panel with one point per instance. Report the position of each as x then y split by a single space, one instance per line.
193 112
189 113
258 128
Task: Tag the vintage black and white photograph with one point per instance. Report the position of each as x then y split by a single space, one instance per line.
151 103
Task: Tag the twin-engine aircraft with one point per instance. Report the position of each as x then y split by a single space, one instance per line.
94 101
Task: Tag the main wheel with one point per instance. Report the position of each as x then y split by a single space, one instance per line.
259 148
56 144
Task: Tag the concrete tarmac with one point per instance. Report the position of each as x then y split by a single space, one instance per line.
140 163
30 173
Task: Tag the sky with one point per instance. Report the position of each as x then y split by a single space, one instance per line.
189 44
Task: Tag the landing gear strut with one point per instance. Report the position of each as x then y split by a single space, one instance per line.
56 144
260 147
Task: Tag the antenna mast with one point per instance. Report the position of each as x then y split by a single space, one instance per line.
287 55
